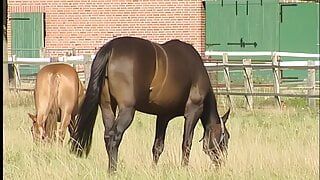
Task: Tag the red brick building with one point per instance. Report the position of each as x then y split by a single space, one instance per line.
87 24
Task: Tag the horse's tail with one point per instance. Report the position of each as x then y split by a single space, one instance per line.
82 138
81 94
52 110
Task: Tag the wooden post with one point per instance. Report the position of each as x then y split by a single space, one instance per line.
213 78
5 68
54 59
64 59
227 78
43 52
42 55
73 51
248 83
87 69
311 83
16 72
276 79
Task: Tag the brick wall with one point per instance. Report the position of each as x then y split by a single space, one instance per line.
88 24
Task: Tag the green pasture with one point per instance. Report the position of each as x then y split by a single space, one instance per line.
265 144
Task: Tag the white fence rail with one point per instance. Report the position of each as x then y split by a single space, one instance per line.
261 53
84 60
275 65
246 66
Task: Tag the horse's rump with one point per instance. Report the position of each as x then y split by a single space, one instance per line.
56 94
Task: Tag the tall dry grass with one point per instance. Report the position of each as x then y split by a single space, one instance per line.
264 144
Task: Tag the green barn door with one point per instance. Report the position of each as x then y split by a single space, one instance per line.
299 32
27 38
222 26
262 26
299 28
242 25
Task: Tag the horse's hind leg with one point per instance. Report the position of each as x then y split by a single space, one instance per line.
72 125
65 121
158 145
114 138
121 85
108 108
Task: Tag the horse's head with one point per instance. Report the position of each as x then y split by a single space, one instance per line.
215 142
37 130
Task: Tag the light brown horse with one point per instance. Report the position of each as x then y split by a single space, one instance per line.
167 80
58 94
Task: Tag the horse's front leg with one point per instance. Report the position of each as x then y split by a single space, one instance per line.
158 145
114 138
192 115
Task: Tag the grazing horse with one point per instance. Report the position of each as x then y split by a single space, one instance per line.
167 80
58 94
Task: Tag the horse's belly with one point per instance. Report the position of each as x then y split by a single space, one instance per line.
156 109
171 100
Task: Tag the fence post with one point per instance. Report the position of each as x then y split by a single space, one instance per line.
213 76
16 74
311 83
73 51
64 58
248 83
42 55
5 67
43 52
54 59
87 68
227 77
276 79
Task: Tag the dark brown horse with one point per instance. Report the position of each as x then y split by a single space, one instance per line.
167 80
58 94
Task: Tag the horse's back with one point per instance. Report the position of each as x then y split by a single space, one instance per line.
132 67
63 69
65 74
186 67
185 54
60 82
185 64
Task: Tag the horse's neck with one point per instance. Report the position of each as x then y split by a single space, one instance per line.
210 108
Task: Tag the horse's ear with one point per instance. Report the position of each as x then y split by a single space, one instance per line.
33 117
226 116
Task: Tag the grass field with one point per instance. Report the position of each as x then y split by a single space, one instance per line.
264 144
